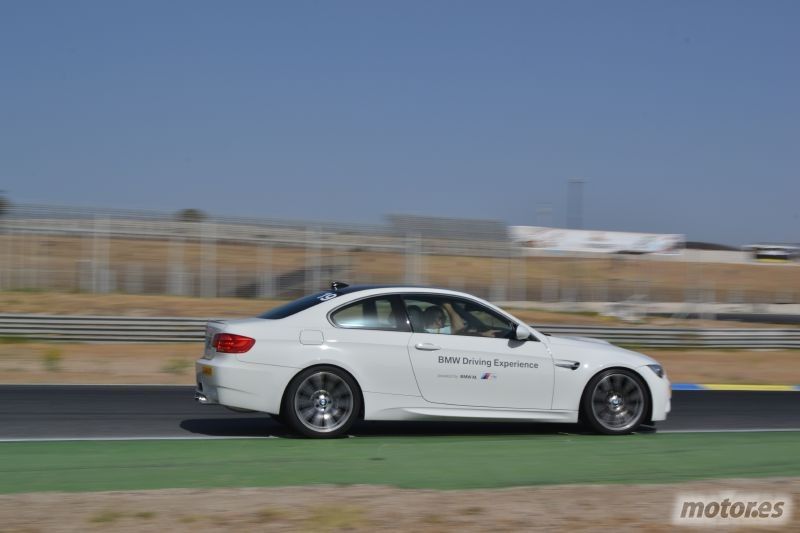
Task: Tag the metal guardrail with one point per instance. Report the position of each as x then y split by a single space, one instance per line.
761 338
169 329
103 328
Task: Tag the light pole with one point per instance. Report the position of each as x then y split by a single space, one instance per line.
575 203
544 215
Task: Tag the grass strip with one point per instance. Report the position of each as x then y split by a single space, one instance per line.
452 462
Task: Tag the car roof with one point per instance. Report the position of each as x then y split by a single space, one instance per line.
357 288
405 288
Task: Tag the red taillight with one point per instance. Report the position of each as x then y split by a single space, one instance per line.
230 343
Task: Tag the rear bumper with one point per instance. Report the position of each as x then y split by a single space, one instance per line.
225 380
200 397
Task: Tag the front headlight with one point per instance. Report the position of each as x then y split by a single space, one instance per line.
658 369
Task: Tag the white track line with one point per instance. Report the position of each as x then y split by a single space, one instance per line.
748 430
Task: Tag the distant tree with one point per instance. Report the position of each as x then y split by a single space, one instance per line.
191 215
5 205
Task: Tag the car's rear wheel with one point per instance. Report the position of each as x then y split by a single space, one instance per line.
322 401
615 402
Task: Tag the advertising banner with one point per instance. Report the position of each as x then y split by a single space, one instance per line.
573 240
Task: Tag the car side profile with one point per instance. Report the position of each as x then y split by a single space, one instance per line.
324 361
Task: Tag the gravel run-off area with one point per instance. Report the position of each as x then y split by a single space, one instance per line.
369 508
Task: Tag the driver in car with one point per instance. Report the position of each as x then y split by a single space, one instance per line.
436 320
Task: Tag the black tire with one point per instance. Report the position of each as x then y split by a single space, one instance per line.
615 402
321 402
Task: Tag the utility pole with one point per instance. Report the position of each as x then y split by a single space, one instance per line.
575 203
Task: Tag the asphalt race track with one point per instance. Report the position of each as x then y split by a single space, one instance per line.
122 411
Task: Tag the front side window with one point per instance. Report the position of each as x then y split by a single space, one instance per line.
455 316
381 313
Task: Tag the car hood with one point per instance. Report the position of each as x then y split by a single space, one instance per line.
577 347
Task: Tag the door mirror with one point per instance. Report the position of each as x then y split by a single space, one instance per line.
522 332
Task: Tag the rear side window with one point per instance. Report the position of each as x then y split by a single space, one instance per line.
298 305
381 313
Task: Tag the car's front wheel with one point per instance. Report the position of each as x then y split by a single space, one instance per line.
322 401
615 402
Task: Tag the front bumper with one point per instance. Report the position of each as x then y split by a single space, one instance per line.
660 394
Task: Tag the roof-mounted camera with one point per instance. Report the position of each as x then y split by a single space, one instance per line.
336 285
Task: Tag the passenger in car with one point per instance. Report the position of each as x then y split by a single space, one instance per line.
416 318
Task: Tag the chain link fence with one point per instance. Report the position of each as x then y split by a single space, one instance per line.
49 248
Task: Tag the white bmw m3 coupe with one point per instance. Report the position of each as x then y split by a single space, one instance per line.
410 353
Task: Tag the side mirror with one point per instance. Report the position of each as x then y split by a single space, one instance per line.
522 332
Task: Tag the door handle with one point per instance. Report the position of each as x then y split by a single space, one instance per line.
428 347
563 363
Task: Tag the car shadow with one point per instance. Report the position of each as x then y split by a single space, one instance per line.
452 428
250 426
265 426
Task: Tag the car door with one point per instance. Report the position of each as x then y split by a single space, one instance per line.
472 359
371 335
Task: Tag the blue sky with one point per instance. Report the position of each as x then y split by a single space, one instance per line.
681 116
